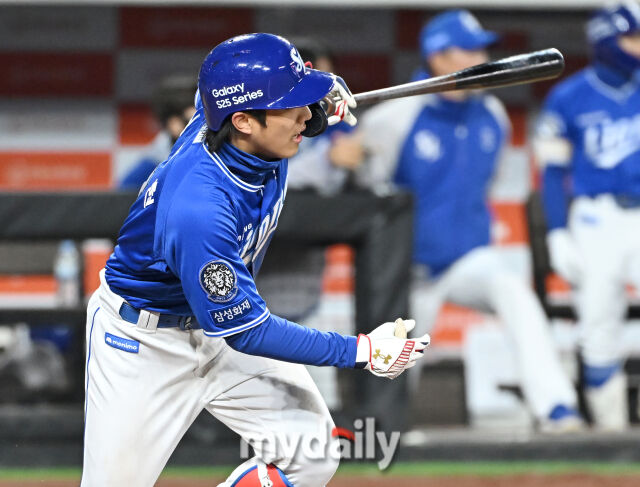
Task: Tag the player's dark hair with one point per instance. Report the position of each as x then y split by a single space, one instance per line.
227 130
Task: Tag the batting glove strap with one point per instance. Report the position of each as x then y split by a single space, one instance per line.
363 352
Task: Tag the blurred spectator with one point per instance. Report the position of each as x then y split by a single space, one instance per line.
323 162
444 149
173 107
589 145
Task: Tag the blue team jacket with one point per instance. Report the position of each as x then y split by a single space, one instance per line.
447 161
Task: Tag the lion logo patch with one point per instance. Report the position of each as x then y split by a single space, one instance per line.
218 279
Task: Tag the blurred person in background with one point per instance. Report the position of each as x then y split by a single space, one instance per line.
178 311
444 149
173 106
588 141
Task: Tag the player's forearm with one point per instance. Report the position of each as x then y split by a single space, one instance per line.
554 196
284 340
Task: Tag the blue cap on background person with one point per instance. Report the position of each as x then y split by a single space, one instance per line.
605 27
454 28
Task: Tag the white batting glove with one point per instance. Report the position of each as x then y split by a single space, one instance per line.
565 256
385 355
343 100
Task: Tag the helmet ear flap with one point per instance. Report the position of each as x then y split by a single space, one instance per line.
318 122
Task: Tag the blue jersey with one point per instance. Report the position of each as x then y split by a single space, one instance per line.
197 233
447 161
194 240
598 115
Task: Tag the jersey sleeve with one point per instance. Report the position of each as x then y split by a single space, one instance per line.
554 196
202 250
285 340
553 152
551 140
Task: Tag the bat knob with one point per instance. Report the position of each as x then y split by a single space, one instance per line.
328 105
400 331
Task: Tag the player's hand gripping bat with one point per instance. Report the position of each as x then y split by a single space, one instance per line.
386 353
514 70
400 330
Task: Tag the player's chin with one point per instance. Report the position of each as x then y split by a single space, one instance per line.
292 147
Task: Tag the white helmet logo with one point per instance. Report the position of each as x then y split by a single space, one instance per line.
298 64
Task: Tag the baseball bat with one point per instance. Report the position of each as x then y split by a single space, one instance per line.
513 70
400 330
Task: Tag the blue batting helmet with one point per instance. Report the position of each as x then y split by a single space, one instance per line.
603 30
257 71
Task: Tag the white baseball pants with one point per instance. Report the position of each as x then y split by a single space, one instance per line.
608 237
481 280
139 405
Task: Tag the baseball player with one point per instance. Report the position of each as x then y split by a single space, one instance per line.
589 144
444 148
177 325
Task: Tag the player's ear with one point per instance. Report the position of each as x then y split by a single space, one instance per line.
242 122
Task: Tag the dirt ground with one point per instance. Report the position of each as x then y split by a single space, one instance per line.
572 480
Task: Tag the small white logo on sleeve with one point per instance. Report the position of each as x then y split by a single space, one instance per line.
148 196
427 146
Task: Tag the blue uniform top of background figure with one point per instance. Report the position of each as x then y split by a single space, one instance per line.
448 161
444 150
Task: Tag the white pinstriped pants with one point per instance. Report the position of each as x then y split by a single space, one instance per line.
139 405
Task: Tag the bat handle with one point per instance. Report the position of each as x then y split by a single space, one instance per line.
328 105
400 330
